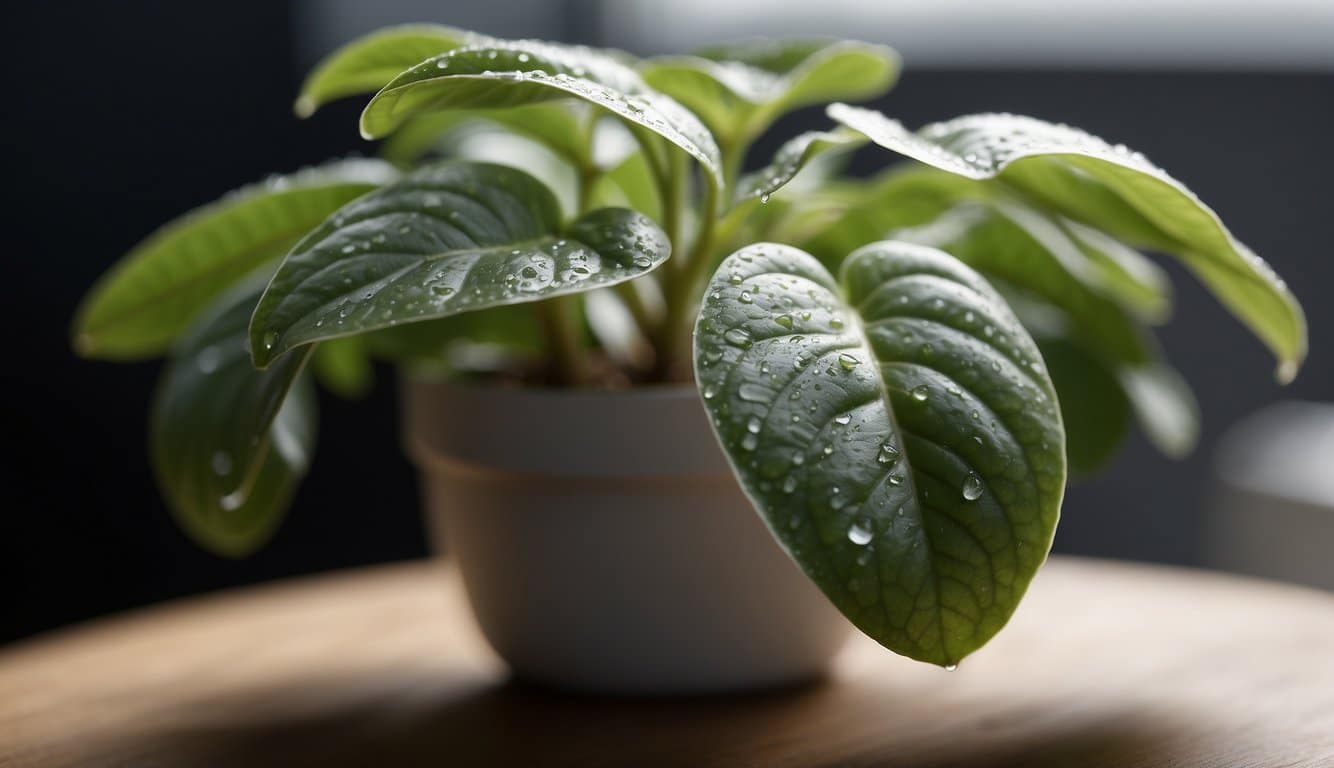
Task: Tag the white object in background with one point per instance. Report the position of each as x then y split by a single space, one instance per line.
1274 512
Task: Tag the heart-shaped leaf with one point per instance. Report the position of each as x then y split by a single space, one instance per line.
1110 188
911 462
511 74
144 302
367 63
740 89
228 442
795 154
446 239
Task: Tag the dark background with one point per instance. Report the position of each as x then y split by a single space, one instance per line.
122 115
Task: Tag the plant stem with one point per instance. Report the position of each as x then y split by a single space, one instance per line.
683 292
560 318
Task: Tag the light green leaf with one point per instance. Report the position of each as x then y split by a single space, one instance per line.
343 366
1110 188
738 90
1164 406
229 445
910 463
791 158
902 197
513 74
367 63
446 239
144 302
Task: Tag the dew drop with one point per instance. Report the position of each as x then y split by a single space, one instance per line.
753 393
888 453
222 463
972 487
790 484
270 339
859 535
746 298
754 425
921 392
749 442
848 362
737 337
784 320
843 418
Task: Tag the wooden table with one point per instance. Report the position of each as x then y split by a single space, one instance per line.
1104 665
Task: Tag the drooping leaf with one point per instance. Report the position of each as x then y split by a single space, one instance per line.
229 443
791 158
912 464
366 64
144 302
446 239
511 74
739 89
1112 189
1020 249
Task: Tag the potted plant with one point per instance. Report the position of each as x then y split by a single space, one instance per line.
898 370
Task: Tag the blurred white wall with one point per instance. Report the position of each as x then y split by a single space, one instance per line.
945 33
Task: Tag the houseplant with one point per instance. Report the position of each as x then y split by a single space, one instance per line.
889 364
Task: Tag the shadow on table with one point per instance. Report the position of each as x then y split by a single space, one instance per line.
389 722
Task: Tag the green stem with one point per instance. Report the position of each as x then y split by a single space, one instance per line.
683 292
561 324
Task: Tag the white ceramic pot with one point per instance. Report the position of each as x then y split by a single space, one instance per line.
605 546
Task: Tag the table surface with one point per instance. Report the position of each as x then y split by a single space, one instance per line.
1105 664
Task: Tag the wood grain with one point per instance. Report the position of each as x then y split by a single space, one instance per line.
1104 665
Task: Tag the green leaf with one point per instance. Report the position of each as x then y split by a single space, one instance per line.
910 463
795 154
366 64
738 90
446 239
1018 248
1110 188
343 366
144 302
512 74
229 445
1094 406
902 197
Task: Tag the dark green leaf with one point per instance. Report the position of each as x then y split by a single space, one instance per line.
229 444
144 302
1094 407
910 462
1110 188
444 240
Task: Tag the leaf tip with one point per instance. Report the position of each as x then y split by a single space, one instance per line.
1287 371
305 106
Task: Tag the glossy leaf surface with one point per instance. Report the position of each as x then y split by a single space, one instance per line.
148 298
739 89
513 74
793 156
229 444
896 429
1112 189
366 64
446 239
